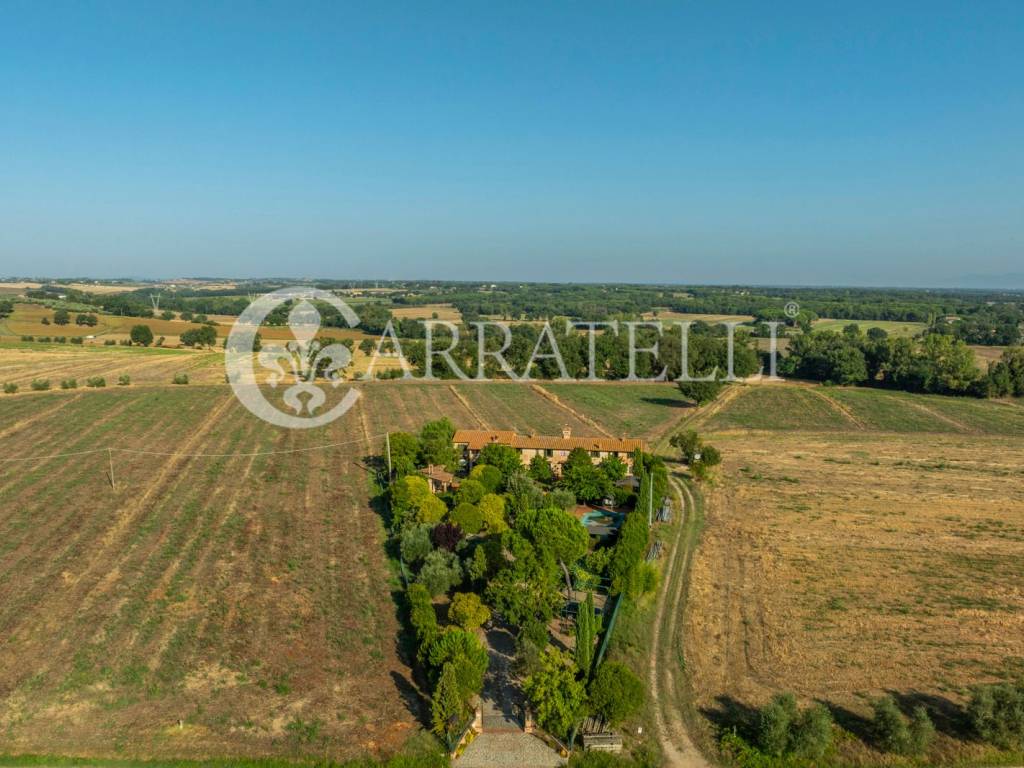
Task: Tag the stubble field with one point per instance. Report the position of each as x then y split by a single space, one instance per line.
859 542
232 603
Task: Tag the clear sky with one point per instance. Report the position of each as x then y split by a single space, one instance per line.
787 142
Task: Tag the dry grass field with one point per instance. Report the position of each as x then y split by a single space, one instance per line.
227 604
428 312
22 363
859 542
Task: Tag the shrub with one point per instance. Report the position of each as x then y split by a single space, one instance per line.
489 477
616 693
562 498
492 510
77 340
996 713
922 731
28 338
109 343
96 382
812 734
415 543
10 388
888 728
468 517
422 615
470 492
468 611
180 378
40 385
775 721
124 380
69 384
440 572
784 729
447 536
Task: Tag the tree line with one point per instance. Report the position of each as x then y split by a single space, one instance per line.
936 363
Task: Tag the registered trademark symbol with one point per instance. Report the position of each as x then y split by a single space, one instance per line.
792 309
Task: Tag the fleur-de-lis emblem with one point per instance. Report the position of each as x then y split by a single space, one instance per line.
307 360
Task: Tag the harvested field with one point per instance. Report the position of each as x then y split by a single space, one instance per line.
220 605
427 312
21 364
859 542
246 597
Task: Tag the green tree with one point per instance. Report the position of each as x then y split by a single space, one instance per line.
470 492
478 566
61 317
422 616
586 635
587 482
468 611
405 450
436 446
554 692
415 543
464 649
812 733
922 731
616 693
468 517
141 335
489 477
776 719
412 500
700 392
440 572
540 469
492 509
555 531
888 727
503 457
527 584
205 336
688 443
996 714
447 707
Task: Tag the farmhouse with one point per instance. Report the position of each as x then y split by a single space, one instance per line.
554 449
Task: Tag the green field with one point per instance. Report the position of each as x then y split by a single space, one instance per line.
640 410
892 327
818 409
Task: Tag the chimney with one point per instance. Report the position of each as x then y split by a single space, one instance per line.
566 432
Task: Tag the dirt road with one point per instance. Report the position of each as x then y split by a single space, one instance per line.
676 745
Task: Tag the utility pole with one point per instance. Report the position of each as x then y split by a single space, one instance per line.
110 461
387 442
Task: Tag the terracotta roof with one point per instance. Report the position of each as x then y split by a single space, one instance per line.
437 473
476 439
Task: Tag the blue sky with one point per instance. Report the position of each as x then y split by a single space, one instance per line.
813 143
